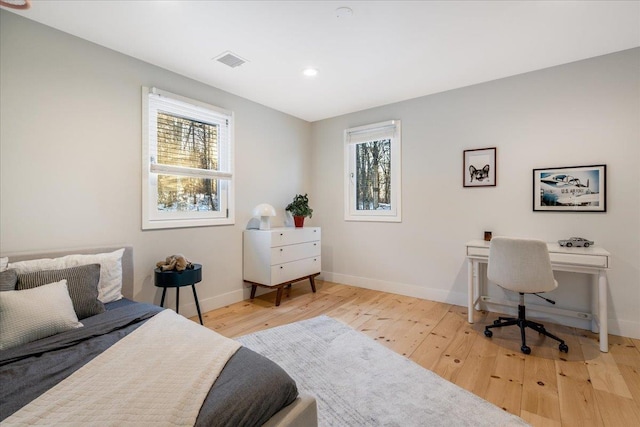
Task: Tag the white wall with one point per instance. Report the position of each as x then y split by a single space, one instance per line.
70 149
582 113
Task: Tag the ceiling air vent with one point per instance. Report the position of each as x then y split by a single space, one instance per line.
230 59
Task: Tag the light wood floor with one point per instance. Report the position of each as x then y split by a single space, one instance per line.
547 388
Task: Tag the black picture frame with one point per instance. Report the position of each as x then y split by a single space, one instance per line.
479 167
570 189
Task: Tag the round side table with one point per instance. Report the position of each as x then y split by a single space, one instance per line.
178 279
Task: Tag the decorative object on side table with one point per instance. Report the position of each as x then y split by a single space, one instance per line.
300 209
575 241
174 262
265 212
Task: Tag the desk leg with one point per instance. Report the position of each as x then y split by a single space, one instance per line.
178 300
602 312
470 295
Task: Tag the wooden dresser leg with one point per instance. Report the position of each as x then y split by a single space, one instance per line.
278 296
313 283
253 291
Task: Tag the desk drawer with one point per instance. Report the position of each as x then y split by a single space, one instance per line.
476 251
293 270
580 259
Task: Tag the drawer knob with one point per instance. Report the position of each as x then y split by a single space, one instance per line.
281 267
280 249
281 234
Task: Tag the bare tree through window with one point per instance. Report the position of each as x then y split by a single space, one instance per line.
192 144
373 175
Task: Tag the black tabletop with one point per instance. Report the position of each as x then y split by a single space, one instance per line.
175 279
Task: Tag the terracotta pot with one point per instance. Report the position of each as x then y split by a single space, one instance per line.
298 221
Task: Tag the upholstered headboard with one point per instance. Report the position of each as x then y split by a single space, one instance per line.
127 261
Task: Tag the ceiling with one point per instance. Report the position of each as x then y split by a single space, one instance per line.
385 52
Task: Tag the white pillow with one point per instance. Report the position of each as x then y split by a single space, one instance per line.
4 262
110 284
36 313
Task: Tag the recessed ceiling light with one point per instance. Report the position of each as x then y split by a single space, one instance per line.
344 12
310 72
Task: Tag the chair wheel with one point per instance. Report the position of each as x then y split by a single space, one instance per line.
488 333
564 347
496 322
525 349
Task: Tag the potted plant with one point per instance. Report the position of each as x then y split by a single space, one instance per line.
299 209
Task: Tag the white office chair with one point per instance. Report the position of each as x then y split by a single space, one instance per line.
523 266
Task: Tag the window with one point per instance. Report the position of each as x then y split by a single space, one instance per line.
372 172
187 178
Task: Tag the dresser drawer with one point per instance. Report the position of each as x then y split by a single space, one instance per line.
288 253
293 236
293 270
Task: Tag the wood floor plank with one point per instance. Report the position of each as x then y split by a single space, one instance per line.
540 388
582 388
505 384
578 406
616 410
456 352
480 360
429 352
605 374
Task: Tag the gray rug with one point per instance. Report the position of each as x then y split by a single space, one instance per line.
358 382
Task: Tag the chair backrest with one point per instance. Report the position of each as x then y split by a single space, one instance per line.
520 265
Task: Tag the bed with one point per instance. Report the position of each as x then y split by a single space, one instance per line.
250 390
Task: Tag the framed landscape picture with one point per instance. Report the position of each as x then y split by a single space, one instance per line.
479 167
570 189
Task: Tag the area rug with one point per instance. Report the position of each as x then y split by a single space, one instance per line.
358 382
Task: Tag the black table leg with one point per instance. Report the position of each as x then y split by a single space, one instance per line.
164 291
178 300
195 297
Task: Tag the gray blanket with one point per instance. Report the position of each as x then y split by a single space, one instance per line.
248 392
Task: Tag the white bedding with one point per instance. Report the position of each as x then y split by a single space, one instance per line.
158 375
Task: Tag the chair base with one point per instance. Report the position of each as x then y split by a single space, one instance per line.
523 323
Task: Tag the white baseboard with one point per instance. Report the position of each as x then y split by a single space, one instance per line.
456 298
208 304
623 328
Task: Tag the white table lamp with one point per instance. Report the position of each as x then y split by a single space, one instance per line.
265 212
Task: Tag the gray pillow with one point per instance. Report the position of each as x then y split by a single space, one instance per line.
82 283
8 280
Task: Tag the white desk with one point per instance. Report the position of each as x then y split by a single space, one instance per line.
593 260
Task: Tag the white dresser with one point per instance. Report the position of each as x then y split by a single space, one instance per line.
278 257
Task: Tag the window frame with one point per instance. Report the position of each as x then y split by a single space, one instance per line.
197 111
369 133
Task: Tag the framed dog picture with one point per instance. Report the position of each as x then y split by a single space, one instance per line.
479 167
